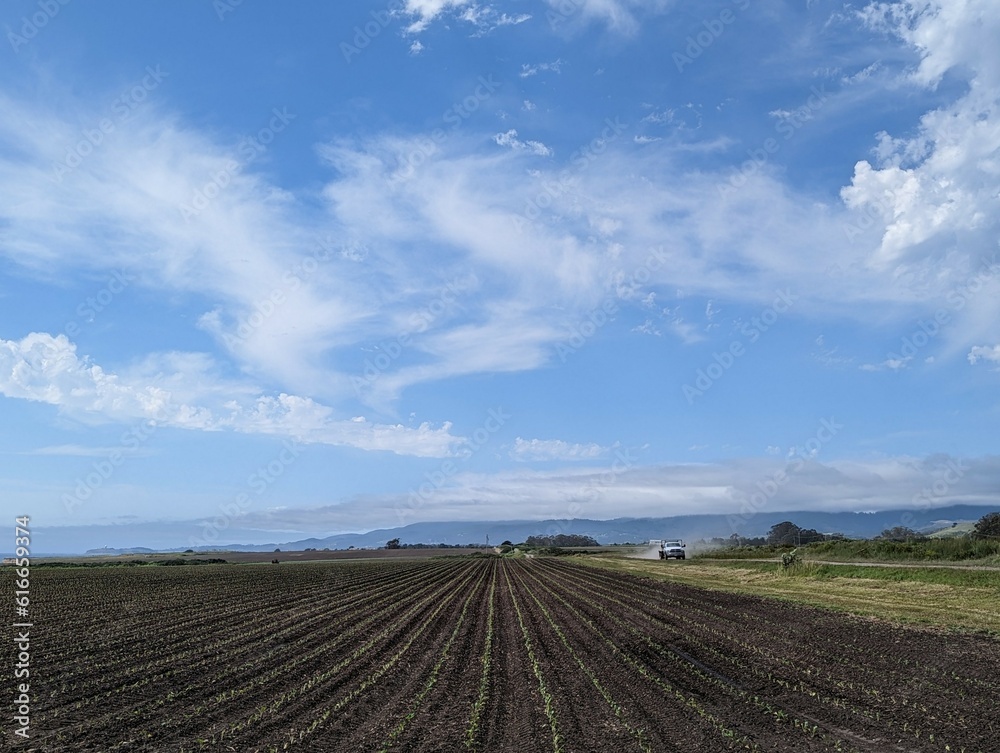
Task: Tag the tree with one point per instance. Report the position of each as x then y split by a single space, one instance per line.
562 539
810 535
900 533
988 526
785 532
507 542
789 533
392 544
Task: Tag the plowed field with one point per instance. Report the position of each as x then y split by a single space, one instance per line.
480 654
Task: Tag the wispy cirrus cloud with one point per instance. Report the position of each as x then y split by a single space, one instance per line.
527 450
427 11
78 451
297 296
621 16
257 241
510 139
528 70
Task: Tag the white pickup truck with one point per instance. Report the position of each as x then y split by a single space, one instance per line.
670 549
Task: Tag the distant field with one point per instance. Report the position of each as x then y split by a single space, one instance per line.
948 597
245 557
960 529
482 654
943 549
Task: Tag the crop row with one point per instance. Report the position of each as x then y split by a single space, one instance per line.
483 654
771 663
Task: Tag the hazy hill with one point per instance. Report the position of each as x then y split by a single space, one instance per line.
620 530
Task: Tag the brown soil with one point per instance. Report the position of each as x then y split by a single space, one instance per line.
377 655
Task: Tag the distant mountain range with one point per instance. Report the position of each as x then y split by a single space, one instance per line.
618 530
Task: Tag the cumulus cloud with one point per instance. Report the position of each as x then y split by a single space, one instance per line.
938 188
45 368
984 353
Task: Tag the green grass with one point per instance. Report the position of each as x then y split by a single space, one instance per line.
950 576
960 529
955 549
949 598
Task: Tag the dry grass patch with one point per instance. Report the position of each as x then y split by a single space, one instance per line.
904 597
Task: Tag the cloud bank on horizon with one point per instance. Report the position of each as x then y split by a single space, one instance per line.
322 269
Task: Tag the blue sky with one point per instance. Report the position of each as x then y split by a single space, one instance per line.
277 270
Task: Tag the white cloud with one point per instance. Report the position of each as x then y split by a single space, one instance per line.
984 353
427 10
538 269
863 75
75 450
647 328
505 20
619 15
255 242
484 17
416 47
685 331
532 70
932 196
509 139
662 117
46 369
121 208
487 18
890 364
554 449
946 35
623 490
508 341
938 187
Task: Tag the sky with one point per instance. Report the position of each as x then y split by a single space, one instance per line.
275 270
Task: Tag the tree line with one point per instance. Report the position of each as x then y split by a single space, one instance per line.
787 533
558 540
